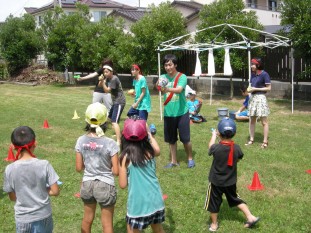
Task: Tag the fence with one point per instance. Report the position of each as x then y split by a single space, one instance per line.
276 62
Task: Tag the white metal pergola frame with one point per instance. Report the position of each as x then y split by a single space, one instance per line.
245 43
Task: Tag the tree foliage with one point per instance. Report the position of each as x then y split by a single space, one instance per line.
62 33
20 43
103 40
296 15
161 24
230 12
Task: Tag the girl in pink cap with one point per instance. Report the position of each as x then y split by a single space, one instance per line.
145 205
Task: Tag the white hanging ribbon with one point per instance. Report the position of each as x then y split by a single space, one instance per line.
227 65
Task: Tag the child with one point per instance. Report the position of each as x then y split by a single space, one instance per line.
223 174
97 156
142 104
145 205
242 113
112 84
194 106
29 182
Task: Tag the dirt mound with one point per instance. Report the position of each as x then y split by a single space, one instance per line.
38 74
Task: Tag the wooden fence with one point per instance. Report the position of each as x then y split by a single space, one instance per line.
277 63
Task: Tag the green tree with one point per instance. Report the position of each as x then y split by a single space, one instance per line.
161 24
296 15
20 43
230 12
104 39
62 32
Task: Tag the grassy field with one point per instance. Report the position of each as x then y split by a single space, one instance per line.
284 205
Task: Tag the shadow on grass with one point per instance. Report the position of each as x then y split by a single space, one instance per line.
182 156
169 224
2 195
229 214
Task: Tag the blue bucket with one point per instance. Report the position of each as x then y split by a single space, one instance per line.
232 114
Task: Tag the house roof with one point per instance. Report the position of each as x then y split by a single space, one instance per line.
194 6
70 4
133 15
275 28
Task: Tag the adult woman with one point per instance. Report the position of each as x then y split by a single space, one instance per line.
112 85
99 95
258 106
142 102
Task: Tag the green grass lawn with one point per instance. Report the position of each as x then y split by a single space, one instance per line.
284 205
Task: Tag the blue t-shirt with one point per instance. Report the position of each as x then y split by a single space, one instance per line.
245 103
259 81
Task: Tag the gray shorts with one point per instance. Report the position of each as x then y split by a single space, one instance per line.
96 191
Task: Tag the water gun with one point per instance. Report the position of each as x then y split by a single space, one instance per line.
76 76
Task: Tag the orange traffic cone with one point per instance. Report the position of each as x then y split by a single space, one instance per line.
46 124
11 157
256 185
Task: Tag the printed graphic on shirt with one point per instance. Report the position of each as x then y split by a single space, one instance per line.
92 146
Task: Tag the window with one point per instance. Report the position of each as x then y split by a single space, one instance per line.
40 20
272 5
98 15
252 3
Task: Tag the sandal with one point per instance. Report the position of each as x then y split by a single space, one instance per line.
250 142
264 145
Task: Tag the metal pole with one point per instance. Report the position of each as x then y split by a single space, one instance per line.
159 74
293 73
210 95
249 62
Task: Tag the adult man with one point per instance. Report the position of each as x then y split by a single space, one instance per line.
176 114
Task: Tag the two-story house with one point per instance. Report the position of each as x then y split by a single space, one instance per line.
98 8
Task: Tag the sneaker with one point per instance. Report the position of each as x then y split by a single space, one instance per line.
171 165
191 163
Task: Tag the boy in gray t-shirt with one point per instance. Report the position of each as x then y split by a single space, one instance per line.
29 182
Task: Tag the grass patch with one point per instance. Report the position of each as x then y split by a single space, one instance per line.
284 204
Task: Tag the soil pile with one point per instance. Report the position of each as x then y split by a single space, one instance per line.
38 74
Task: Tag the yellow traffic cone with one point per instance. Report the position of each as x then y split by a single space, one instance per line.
75 115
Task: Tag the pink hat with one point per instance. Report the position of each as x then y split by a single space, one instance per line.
134 130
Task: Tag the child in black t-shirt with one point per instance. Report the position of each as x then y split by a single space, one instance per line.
223 174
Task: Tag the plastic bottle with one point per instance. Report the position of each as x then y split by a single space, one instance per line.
153 129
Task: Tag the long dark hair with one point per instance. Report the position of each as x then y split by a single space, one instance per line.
136 152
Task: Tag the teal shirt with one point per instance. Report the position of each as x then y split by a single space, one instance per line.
144 192
145 103
178 104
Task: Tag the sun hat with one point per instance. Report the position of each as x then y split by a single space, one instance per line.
134 129
96 114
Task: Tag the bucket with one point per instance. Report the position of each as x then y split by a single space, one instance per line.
232 114
222 112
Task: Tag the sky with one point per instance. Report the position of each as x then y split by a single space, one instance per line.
15 7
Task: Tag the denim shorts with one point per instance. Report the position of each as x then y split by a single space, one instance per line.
42 226
96 191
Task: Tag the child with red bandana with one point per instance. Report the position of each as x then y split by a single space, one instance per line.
29 182
223 174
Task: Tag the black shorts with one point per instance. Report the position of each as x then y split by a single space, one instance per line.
115 112
180 123
214 197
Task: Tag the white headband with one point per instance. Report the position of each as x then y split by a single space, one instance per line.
107 67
